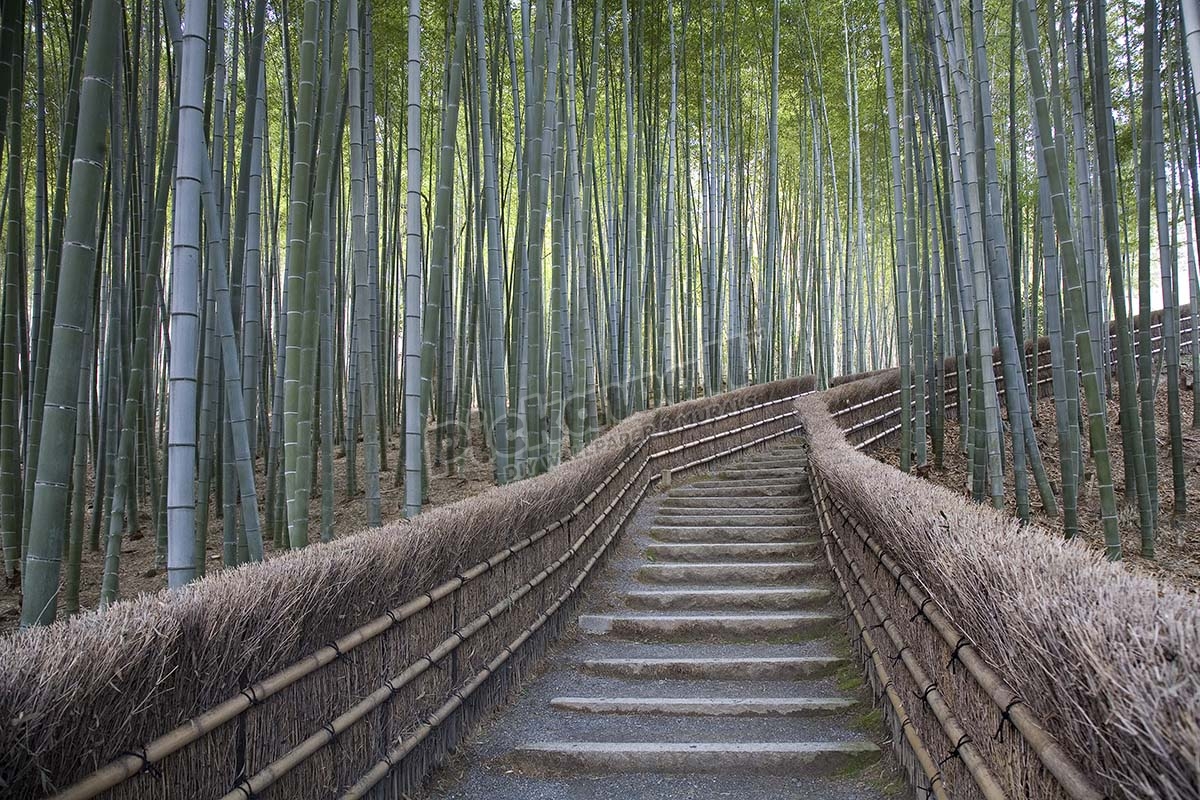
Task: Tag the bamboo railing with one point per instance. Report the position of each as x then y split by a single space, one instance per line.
876 419
374 711
377 709
959 727
927 644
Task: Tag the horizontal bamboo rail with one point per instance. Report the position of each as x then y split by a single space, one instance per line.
931 695
393 757
855 430
926 608
634 475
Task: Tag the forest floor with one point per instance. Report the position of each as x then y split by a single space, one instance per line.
142 570
1177 544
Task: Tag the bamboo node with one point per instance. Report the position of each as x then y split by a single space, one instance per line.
337 651
243 785
146 766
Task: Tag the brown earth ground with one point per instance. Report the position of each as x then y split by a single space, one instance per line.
1177 543
142 571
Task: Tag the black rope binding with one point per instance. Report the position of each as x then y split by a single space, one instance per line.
963 641
243 785
251 695
924 695
921 610
1004 717
140 755
341 655
955 753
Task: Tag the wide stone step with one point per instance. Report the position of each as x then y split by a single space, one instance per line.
723 535
722 489
748 473
735 533
750 668
734 627
760 758
774 461
798 508
756 598
789 483
752 512
773 504
739 520
764 513
732 551
746 572
706 706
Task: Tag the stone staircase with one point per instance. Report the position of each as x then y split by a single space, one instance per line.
709 663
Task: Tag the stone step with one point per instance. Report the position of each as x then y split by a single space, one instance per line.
721 535
706 706
732 551
754 512
790 483
796 508
749 668
745 473
723 490
704 626
759 758
773 504
774 461
746 572
738 520
756 598
763 515
737 533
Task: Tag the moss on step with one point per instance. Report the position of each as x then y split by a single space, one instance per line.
849 678
885 777
870 722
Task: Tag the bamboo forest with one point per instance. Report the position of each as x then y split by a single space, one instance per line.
578 398
246 239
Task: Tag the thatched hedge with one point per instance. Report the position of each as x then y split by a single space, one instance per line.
1109 661
866 405
79 693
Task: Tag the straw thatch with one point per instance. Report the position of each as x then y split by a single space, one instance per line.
82 692
1109 661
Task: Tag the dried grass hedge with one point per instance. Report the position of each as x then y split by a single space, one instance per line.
1109 661
77 694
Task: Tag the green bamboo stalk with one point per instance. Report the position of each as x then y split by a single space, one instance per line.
47 527
295 440
363 337
496 359
1145 356
1097 430
414 436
